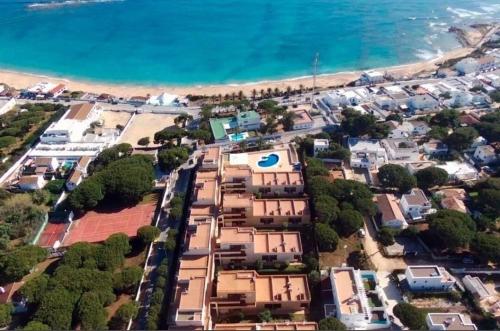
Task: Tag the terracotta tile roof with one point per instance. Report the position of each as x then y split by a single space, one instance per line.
80 112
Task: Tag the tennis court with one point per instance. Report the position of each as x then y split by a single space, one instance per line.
52 233
96 226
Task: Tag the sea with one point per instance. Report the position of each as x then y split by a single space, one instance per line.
200 42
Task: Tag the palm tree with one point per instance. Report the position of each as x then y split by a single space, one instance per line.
269 91
254 94
241 95
220 97
271 125
288 120
233 96
183 118
288 90
276 91
301 88
262 93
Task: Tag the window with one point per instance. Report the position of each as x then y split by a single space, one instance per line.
290 189
266 220
295 220
264 189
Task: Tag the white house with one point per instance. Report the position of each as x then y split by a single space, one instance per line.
359 300
435 147
467 66
366 153
71 127
423 102
372 77
408 129
31 183
321 145
7 105
429 278
164 99
302 120
401 149
391 215
448 321
485 154
335 99
459 171
415 204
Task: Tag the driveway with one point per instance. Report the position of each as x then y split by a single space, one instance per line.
381 262
391 292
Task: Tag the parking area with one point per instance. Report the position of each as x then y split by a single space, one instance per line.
146 125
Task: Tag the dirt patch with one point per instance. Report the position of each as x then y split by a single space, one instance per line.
113 118
345 247
112 308
146 125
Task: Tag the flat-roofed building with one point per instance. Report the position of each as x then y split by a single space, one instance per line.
368 154
206 188
210 158
244 246
358 299
415 204
391 215
448 321
192 291
401 149
199 234
246 210
239 179
429 278
249 293
268 326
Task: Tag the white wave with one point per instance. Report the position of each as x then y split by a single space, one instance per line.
491 9
412 18
463 13
55 4
426 54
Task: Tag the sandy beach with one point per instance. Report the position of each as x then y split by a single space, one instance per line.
21 80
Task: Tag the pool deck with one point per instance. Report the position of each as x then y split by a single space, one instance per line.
287 159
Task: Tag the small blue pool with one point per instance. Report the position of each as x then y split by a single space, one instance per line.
269 160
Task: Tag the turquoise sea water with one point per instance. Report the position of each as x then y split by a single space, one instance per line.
187 42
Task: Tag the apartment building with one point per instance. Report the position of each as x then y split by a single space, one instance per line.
448 321
246 210
244 246
242 178
358 299
268 326
210 158
206 188
249 293
429 278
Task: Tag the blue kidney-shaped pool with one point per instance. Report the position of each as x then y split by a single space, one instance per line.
268 160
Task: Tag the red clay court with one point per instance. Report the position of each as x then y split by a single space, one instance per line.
52 233
98 226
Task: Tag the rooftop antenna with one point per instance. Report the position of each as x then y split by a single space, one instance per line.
315 72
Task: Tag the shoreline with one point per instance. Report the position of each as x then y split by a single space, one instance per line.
20 80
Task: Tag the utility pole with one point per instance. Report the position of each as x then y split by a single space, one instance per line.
315 72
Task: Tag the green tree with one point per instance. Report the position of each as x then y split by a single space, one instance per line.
349 221
5 314
170 135
487 246
430 177
265 316
200 134
331 323
393 175
148 233
446 118
489 127
55 186
34 289
87 195
326 237
288 120
40 197
461 138
144 141
386 236
451 228
56 309
326 208
126 312
110 155
410 316
16 264
169 159
128 279
90 312
80 254
438 132
119 243
36 326
335 151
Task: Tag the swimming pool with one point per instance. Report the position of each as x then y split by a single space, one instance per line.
238 136
268 160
